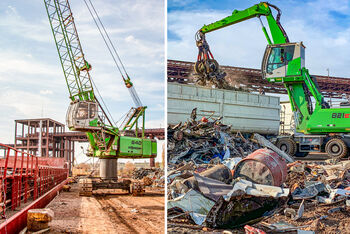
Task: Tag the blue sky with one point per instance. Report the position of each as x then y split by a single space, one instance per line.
31 80
323 26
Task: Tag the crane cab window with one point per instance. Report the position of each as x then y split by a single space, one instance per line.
92 110
82 111
279 57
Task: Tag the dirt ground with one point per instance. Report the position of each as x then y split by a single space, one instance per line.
117 213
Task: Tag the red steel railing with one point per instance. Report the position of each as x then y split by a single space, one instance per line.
24 177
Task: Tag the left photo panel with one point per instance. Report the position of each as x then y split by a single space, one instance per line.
82 124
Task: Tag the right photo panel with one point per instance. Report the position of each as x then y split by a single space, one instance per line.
258 114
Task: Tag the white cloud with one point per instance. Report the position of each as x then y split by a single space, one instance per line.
13 22
11 10
46 92
16 62
130 38
28 104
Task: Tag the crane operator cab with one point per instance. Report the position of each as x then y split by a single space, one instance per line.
82 116
283 60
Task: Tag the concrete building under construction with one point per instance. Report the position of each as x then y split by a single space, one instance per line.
40 137
45 137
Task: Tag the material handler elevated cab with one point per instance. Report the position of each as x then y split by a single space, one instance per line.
283 60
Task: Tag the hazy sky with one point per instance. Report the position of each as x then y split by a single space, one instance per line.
323 26
31 79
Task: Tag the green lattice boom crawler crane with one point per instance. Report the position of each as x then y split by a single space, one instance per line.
85 113
319 128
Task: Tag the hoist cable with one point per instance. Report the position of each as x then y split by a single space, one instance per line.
109 39
131 89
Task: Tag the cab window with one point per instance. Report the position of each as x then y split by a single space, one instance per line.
82 111
279 56
92 111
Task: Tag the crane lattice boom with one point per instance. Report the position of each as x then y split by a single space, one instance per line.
75 67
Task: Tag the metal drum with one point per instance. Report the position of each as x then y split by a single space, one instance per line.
263 166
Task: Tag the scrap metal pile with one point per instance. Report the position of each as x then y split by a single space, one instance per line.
150 176
319 199
219 180
205 141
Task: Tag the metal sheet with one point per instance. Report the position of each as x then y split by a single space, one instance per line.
195 203
211 188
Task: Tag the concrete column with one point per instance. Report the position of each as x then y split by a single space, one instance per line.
66 149
73 153
28 137
40 138
62 148
69 156
15 134
47 138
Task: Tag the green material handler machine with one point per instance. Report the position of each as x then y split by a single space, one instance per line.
85 112
319 128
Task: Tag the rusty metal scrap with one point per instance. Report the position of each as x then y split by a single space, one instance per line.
202 141
262 141
150 176
149 172
309 186
201 157
263 166
242 210
205 160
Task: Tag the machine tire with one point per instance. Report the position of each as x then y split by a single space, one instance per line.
287 145
336 148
